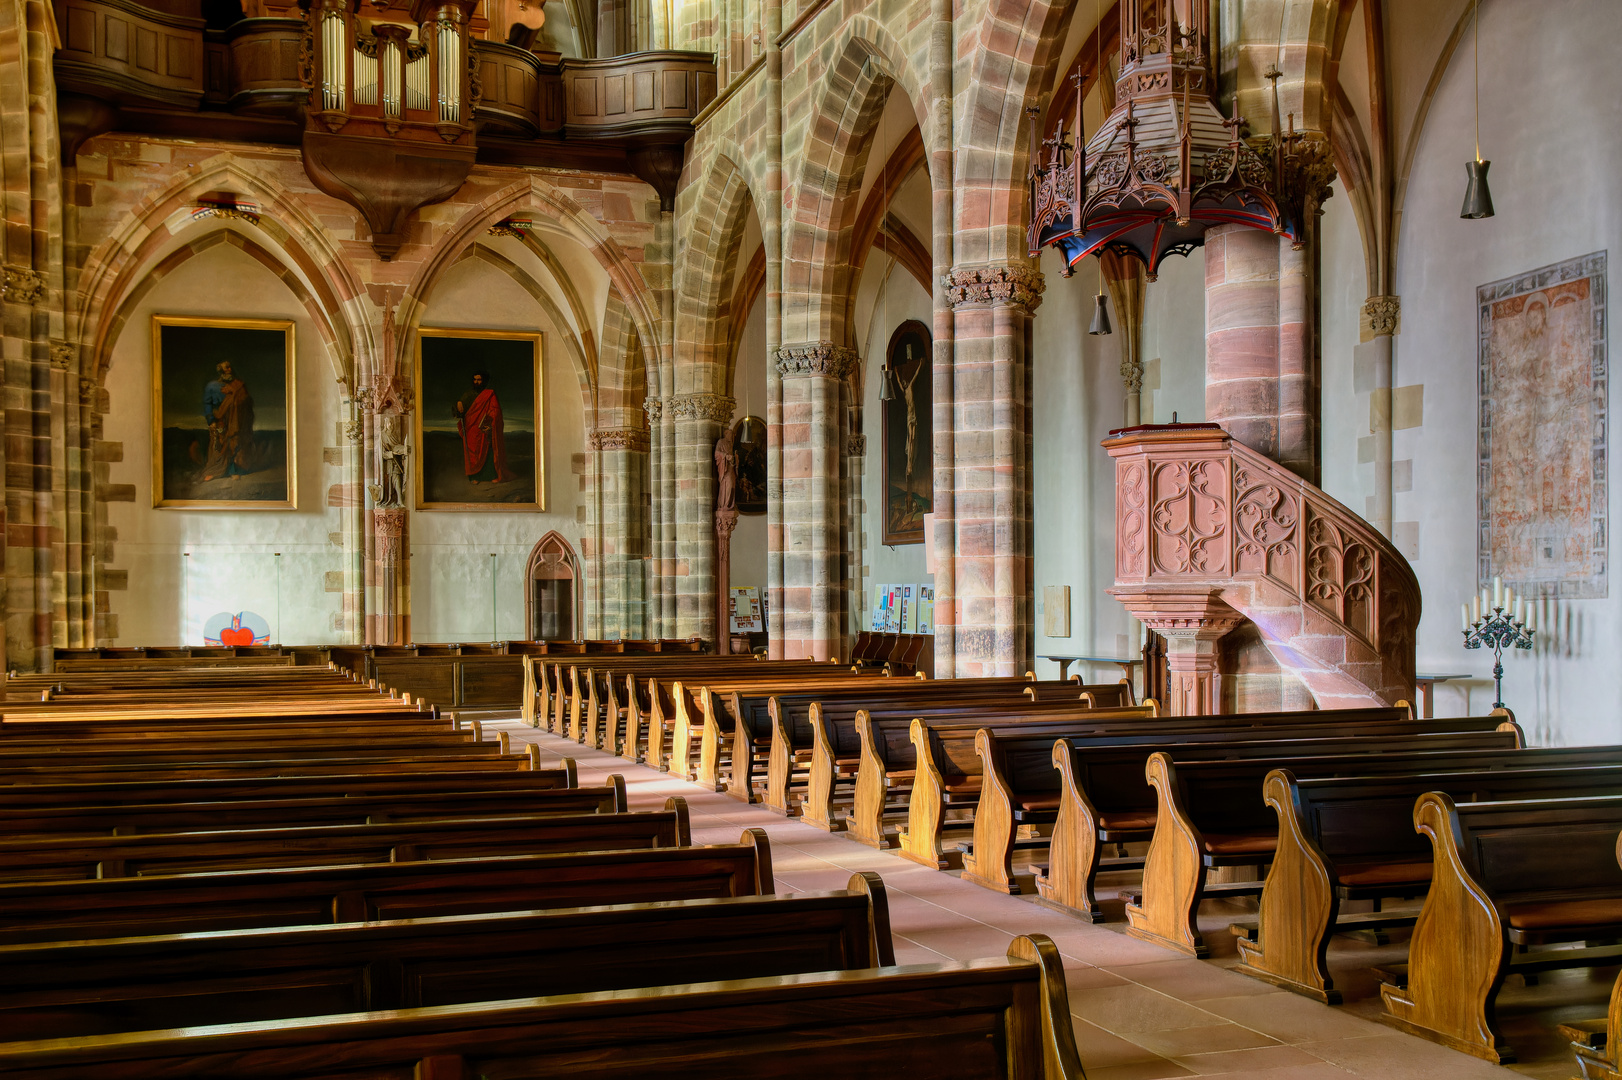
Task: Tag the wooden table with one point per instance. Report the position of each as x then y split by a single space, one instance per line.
1426 684
1064 663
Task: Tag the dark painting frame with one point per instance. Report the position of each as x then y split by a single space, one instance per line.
904 507
751 466
447 359
203 424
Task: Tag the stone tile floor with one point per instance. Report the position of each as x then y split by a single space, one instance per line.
1141 1012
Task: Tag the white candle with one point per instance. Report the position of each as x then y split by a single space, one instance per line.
1497 591
1520 615
1464 617
1475 609
1509 598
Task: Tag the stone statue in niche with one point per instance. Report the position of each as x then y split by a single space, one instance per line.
726 472
390 491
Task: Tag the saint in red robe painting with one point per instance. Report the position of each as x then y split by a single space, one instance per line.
478 421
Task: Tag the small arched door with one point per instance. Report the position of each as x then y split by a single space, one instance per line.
551 593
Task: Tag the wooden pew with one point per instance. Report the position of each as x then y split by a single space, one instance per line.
1212 813
112 795
1352 838
32 820
906 752
76 989
300 896
1507 876
748 713
52 858
69 769
1003 1019
834 746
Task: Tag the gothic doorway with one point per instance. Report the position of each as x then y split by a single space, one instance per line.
551 595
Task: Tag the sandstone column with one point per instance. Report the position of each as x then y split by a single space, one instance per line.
696 421
1259 369
1381 317
992 456
622 455
1192 621
813 377
1125 279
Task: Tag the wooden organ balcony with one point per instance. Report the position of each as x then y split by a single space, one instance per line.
340 74
1209 533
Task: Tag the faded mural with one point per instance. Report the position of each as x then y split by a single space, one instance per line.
1544 515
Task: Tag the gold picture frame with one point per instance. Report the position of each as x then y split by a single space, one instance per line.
215 445
461 463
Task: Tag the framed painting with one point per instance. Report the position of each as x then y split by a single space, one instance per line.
479 421
909 476
751 467
223 431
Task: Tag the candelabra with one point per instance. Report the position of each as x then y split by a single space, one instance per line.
1506 620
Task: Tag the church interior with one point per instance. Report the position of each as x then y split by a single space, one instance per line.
676 537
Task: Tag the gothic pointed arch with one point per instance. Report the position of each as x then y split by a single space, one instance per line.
553 598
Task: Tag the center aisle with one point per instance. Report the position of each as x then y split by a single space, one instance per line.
1140 1012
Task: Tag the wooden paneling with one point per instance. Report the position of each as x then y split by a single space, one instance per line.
137 53
656 90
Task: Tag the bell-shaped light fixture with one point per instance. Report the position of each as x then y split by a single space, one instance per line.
1477 199
1100 324
746 432
886 388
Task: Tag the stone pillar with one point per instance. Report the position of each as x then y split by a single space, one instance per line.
991 369
1192 622
389 620
622 456
855 511
661 510
725 522
1260 371
696 421
1125 279
813 377
1382 315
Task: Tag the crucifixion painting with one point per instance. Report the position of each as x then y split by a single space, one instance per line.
908 479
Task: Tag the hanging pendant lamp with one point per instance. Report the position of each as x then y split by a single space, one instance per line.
1477 196
1100 324
886 389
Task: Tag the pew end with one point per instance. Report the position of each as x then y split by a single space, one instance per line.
684 826
870 885
756 839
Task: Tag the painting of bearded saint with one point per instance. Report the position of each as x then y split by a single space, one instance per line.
1544 511
478 420
224 432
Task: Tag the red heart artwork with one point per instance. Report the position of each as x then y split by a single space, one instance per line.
236 635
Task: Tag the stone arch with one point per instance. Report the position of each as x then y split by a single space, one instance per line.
703 324
622 374
526 281
553 559
1015 64
571 219
852 94
294 245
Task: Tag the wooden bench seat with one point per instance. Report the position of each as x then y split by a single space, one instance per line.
54 858
342 809
1352 838
83 988
1213 813
74 769
124 793
999 1019
1508 876
353 892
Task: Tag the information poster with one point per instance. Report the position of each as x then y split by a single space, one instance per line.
744 610
926 609
909 610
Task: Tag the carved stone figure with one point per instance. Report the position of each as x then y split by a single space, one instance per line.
391 449
726 472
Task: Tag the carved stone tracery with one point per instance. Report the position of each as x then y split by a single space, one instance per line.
716 407
1189 516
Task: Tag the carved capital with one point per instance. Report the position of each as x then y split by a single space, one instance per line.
1015 285
701 407
20 285
61 355
725 522
87 390
822 358
856 445
1132 373
355 430
619 439
1381 316
655 408
389 526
